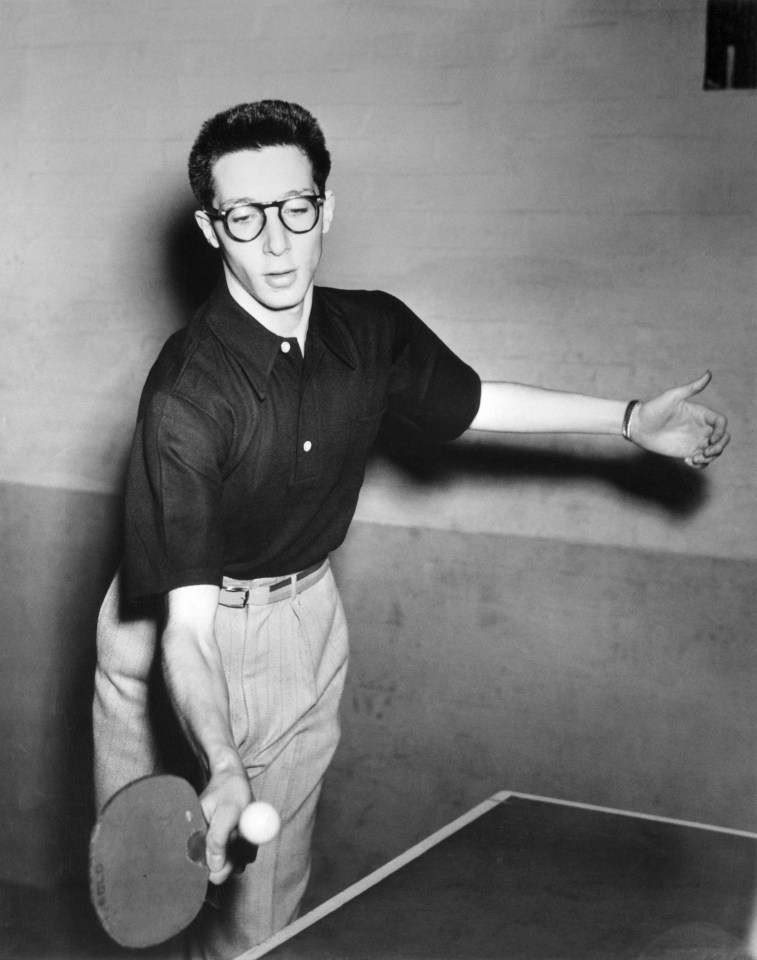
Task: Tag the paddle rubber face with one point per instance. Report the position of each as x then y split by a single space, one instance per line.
147 872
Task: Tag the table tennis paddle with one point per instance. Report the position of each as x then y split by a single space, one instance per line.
147 872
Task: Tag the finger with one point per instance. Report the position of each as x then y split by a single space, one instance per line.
217 877
718 424
715 449
698 458
222 823
704 459
694 387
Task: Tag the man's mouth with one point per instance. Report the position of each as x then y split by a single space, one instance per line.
281 278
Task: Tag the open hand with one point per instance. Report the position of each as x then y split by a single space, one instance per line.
674 425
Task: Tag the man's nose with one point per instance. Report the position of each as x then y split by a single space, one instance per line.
275 234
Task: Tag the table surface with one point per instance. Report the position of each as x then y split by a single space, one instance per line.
532 878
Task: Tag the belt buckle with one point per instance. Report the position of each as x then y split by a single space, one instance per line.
242 592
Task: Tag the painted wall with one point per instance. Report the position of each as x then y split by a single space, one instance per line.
547 184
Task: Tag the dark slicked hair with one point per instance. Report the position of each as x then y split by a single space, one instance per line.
252 126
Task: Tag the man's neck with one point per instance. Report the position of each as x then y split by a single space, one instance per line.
284 323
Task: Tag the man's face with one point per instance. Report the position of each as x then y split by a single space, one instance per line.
276 268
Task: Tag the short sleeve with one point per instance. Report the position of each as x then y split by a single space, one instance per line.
173 530
429 384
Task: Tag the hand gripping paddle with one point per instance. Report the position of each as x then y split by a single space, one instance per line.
147 870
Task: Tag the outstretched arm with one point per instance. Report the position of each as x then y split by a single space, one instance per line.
197 686
672 424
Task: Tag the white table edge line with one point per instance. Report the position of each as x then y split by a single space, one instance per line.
340 899
631 813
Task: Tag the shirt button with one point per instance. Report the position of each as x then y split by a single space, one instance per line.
307 446
286 346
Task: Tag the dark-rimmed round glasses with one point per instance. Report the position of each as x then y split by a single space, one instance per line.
245 221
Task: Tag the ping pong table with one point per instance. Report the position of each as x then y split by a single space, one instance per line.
522 877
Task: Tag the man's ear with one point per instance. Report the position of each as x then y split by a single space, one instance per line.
328 210
205 224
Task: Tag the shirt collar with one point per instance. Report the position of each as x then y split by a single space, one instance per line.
331 326
257 348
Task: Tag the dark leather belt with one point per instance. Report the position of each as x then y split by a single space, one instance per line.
243 592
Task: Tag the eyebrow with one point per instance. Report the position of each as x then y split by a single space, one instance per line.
290 193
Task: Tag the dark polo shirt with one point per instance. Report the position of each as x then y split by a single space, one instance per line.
247 459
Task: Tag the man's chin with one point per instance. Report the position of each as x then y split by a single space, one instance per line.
281 303
284 297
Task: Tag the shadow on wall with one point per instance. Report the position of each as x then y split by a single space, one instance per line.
190 267
668 484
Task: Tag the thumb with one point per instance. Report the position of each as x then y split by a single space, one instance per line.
695 387
220 825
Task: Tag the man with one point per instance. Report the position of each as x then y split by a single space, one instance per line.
248 456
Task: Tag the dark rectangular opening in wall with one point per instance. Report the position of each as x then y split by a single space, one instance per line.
731 51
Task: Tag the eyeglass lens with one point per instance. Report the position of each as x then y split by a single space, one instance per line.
298 214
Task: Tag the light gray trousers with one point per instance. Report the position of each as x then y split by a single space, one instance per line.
285 665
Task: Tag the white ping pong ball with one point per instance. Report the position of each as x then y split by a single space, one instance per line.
259 823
